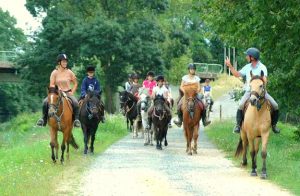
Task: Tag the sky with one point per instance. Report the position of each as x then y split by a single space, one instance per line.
25 20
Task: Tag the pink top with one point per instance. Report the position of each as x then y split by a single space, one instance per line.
149 85
63 79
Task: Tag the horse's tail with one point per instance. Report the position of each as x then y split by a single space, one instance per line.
73 142
239 148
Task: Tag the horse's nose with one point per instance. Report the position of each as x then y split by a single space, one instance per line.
253 101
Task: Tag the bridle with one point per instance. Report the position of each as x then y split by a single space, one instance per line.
159 116
55 107
124 104
260 97
191 112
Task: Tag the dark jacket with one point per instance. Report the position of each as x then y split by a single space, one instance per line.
92 83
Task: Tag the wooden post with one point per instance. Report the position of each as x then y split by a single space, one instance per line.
220 112
234 59
229 56
225 67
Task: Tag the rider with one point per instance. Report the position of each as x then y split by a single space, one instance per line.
63 78
252 56
128 83
190 79
149 83
135 86
207 91
159 90
166 84
90 82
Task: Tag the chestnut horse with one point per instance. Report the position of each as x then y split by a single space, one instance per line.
256 125
191 110
60 118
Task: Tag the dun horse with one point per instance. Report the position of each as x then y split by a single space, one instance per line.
256 125
60 115
191 110
90 114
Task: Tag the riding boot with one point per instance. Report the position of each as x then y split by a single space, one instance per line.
43 121
239 120
76 116
179 121
204 120
274 120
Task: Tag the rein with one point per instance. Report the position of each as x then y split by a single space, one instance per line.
159 116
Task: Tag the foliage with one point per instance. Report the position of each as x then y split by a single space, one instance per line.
283 153
272 27
178 69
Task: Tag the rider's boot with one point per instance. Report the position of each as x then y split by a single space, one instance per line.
43 121
239 119
76 116
204 119
179 121
274 120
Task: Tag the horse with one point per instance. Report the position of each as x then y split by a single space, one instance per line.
208 102
129 104
60 118
256 125
145 103
89 116
192 111
160 121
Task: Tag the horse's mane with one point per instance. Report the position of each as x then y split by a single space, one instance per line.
190 88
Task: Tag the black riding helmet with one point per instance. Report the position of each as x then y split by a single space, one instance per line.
90 68
61 57
254 52
150 73
191 66
160 77
135 76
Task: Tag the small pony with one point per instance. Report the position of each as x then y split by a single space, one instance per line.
128 104
191 110
145 103
90 116
256 125
60 118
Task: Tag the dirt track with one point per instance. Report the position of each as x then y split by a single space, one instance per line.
129 168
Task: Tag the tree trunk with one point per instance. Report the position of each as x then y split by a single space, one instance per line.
109 100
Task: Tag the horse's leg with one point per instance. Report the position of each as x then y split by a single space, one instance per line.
245 148
85 138
186 138
195 137
166 141
264 143
252 153
68 155
53 142
93 134
151 135
63 145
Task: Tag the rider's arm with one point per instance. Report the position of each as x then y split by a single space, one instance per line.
199 88
75 83
233 71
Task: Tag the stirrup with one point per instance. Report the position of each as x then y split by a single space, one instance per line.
237 129
41 123
178 123
206 123
77 123
275 129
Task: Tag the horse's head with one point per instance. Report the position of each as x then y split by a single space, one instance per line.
190 93
123 97
145 102
92 104
54 100
159 102
258 89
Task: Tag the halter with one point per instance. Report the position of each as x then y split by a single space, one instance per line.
260 97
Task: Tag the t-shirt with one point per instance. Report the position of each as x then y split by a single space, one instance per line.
63 79
91 83
187 79
256 71
149 85
162 91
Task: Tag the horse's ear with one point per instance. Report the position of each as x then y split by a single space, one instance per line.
262 74
251 74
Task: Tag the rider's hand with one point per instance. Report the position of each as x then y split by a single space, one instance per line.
227 62
71 93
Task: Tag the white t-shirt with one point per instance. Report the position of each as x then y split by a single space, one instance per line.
162 91
187 79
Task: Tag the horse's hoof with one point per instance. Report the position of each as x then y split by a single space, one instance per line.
243 164
253 173
263 176
189 153
54 161
146 144
166 143
195 152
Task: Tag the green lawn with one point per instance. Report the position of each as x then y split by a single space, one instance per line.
283 160
25 164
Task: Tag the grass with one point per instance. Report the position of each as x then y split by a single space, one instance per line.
224 84
25 164
283 153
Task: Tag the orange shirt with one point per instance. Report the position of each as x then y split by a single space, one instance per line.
63 79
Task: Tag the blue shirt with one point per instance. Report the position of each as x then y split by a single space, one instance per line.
256 71
92 83
207 88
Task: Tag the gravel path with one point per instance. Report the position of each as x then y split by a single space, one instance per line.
129 168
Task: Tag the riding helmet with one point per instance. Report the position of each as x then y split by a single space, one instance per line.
254 52
135 76
61 57
160 77
90 68
191 66
150 73
130 75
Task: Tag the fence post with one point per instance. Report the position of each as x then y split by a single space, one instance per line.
220 112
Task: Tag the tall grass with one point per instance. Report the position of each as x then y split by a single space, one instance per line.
25 164
283 160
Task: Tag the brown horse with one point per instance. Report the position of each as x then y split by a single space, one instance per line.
191 111
256 125
60 115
